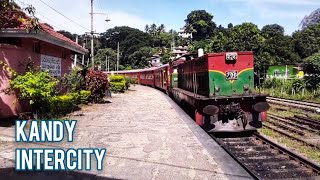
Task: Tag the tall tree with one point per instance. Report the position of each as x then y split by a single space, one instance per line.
130 40
311 66
272 30
146 28
153 29
141 57
245 37
161 29
200 24
101 55
307 41
280 46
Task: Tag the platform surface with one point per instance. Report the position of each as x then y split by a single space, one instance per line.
147 136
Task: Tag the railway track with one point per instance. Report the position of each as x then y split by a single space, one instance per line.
307 106
264 159
299 128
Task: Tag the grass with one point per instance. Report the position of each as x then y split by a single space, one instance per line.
291 112
307 151
276 92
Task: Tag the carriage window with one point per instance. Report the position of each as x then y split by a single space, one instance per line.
276 72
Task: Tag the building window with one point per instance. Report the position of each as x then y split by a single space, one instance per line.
11 40
64 54
36 46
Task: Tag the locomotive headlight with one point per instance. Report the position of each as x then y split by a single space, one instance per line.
216 89
261 106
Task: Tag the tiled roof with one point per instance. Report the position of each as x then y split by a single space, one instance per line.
55 34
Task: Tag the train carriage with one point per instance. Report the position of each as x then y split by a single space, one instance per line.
218 86
161 75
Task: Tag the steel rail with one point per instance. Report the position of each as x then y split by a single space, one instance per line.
274 146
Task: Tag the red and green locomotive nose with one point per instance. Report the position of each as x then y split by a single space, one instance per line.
231 74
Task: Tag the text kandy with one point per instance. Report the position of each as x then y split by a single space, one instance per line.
53 158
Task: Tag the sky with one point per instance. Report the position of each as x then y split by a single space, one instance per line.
171 13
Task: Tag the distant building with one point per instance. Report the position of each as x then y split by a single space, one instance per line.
46 48
184 34
179 51
285 72
156 60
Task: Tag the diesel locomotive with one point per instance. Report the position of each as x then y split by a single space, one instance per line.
219 87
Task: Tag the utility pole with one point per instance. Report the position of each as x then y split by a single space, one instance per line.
118 58
107 63
92 52
84 46
75 55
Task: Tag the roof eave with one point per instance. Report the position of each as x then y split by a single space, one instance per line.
43 37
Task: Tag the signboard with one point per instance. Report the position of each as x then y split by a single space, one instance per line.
51 63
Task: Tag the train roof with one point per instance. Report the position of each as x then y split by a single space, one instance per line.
138 70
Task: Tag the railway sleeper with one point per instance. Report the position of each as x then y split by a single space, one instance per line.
274 164
236 140
317 122
310 124
248 149
274 128
276 157
302 127
254 153
285 174
286 127
235 144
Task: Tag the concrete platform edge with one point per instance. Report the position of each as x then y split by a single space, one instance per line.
231 168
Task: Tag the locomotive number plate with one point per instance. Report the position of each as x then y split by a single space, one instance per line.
231 75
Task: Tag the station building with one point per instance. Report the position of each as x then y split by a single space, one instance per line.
46 48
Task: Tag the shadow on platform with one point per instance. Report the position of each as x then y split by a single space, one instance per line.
11 174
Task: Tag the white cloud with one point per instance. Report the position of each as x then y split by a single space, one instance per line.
79 12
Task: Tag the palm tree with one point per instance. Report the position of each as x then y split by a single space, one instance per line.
153 29
161 28
147 29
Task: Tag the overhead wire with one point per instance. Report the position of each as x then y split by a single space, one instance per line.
56 25
63 15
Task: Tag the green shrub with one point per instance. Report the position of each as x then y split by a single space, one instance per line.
37 87
84 96
117 78
74 81
62 104
118 83
118 86
130 81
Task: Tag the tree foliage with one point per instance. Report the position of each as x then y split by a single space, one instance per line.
199 23
12 16
272 30
311 66
100 58
307 41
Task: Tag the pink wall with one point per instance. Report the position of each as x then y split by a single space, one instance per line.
17 58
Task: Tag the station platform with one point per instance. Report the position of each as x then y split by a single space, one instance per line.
147 136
